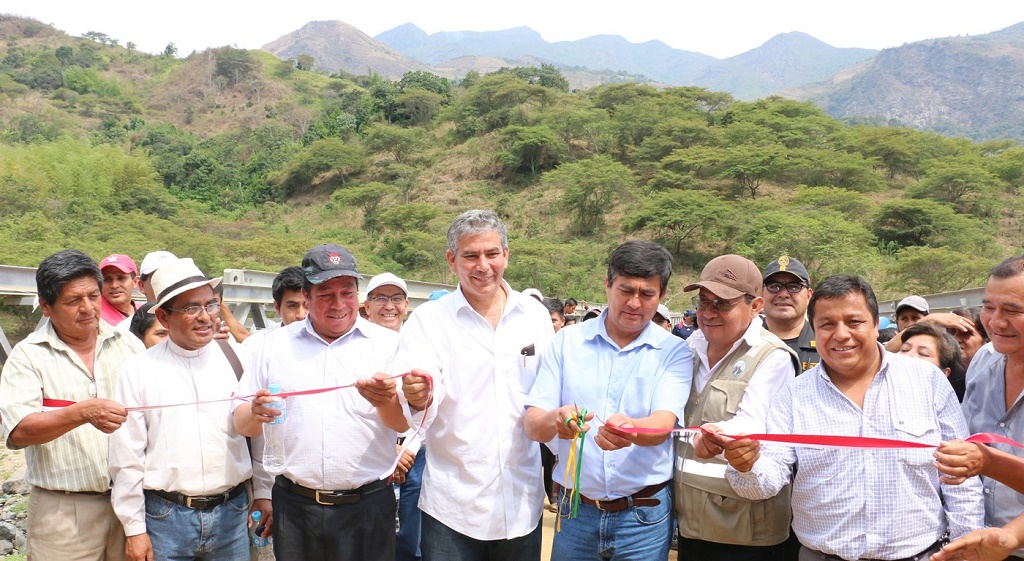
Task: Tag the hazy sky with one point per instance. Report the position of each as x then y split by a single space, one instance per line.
720 29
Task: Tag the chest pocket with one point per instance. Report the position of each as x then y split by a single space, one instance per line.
723 399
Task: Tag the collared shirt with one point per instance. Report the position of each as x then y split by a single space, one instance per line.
193 449
112 315
339 442
482 476
867 503
44 367
773 373
583 366
985 408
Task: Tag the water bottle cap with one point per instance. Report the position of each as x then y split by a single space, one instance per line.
256 515
274 388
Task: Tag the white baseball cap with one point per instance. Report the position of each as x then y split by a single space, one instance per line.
385 279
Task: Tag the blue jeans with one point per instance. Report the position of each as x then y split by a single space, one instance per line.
407 543
181 533
639 533
441 543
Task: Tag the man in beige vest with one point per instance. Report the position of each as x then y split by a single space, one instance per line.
738 368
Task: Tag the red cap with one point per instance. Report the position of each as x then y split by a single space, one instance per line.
122 262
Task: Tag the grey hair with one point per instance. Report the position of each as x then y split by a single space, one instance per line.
474 222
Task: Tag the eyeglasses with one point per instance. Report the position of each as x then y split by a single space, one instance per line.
382 300
791 287
194 311
720 306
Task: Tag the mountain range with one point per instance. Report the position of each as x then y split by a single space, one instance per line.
966 86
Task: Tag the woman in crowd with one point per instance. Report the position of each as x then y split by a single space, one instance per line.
928 341
145 326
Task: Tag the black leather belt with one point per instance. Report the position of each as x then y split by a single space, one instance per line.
332 498
200 503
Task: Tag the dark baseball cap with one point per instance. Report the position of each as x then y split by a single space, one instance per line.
786 264
326 261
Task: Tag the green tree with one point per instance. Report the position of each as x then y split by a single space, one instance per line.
906 223
955 180
927 270
749 166
64 54
305 62
589 189
323 159
398 142
418 107
825 242
368 197
420 80
675 217
532 149
234 65
410 217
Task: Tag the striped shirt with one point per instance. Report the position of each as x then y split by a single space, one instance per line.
877 504
44 367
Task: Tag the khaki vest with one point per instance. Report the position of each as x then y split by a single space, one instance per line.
706 506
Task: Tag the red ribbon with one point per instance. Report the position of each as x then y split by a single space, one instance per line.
824 440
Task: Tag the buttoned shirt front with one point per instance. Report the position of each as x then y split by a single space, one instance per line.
583 366
336 439
985 408
482 476
772 374
867 503
191 449
44 367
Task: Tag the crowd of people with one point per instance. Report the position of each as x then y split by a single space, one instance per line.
143 424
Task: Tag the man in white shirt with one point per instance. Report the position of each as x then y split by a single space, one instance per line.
179 472
331 499
482 490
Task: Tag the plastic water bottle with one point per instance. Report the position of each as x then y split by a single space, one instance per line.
264 546
273 433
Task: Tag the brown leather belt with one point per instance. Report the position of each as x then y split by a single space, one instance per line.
640 498
332 498
202 502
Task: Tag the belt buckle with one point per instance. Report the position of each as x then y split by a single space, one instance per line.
597 503
200 502
319 502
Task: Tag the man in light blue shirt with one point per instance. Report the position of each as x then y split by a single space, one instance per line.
995 383
629 373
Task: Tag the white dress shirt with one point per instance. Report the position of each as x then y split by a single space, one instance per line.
192 449
482 476
773 373
867 503
337 441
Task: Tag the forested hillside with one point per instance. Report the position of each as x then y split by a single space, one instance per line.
239 159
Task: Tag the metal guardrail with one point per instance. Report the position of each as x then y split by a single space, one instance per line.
941 302
247 292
